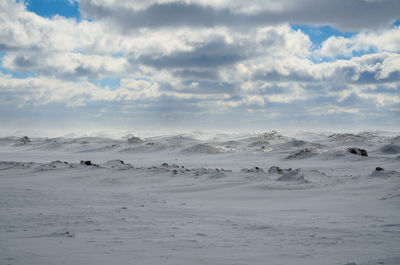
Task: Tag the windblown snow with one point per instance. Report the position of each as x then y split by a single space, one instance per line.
196 198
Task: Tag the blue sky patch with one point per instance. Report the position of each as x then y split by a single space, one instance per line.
318 35
396 23
112 83
50 8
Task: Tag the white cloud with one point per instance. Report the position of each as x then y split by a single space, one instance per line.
41 91
253 100
334 46
332 109
382 41
294 93
381 99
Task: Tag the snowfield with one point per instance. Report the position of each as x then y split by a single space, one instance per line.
260 198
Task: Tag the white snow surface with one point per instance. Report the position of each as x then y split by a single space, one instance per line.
197 198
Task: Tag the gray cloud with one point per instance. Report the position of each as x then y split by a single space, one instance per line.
343 14
196 74
275 76
24 61
6 47
353 75
208 87
65 66
212 54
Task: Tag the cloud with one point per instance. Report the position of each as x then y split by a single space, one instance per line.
253 100
155 14
366 69
42 91
179 59
332 109
382 41
67 65
214 53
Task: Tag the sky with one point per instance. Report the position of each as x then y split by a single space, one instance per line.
200 64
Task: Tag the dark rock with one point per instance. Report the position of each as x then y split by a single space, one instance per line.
68 234
357 151
381 173
88 163
134 140
278 170
24 140
252 170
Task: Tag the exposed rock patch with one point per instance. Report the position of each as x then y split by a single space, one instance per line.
88 163
134 140
252 170
23 141
357 151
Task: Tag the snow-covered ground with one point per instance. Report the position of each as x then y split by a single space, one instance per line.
195 198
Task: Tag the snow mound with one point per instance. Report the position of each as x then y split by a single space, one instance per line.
395 140
23 141
278 170
302 154
55 165
117 164
177 141
210 173
382 173
134 140
292 176
252 170
267 138
49 144
202 149
275 170
294 143
4 165
347 138
390 149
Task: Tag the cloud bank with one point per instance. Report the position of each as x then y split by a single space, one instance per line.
175 61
